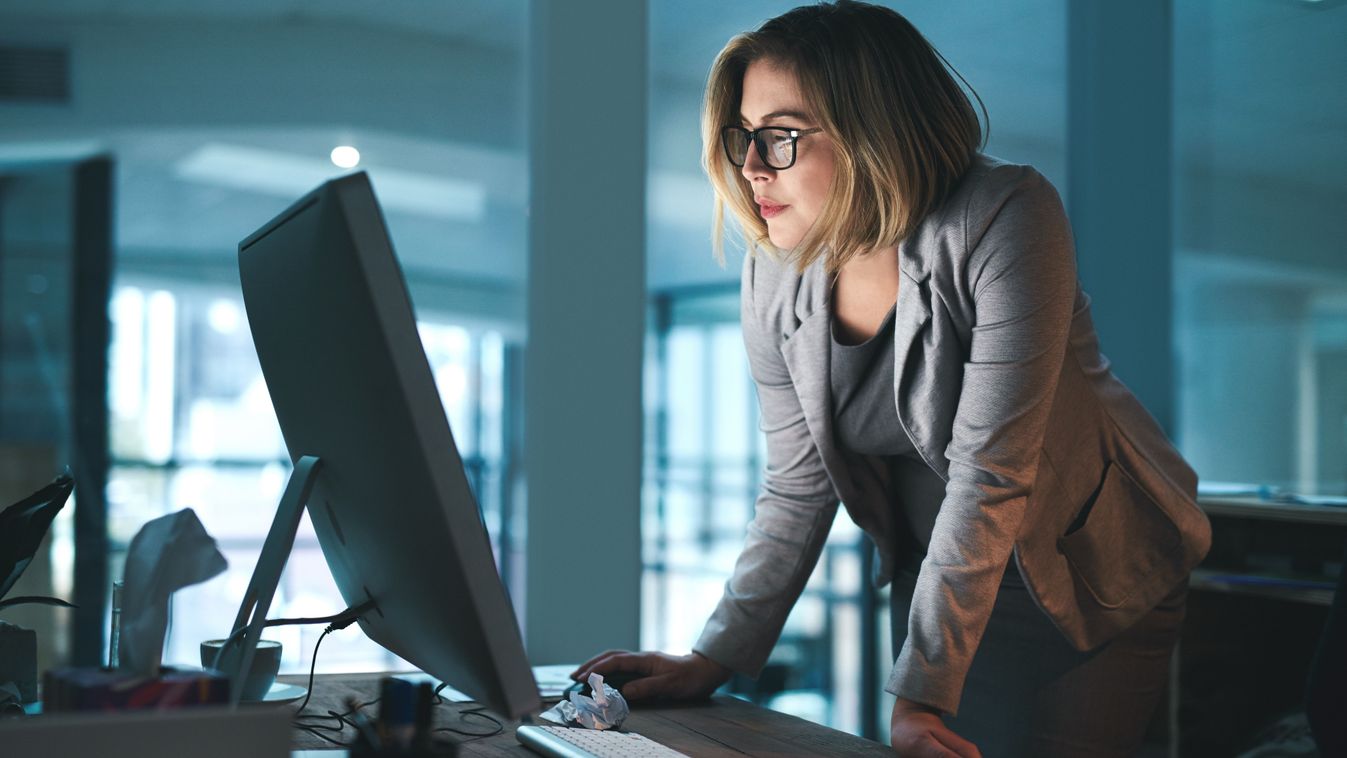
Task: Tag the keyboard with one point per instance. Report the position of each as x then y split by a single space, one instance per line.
565 742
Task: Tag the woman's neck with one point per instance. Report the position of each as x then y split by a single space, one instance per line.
864 291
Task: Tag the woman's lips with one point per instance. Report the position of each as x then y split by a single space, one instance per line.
768 209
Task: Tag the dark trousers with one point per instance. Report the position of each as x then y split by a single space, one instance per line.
1030 693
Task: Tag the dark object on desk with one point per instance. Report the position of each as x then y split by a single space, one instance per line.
18 660
1326 691
22 527
383 739
96 689
11 705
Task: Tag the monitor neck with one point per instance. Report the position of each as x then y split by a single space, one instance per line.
252 615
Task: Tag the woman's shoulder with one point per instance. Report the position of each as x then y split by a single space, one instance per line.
991 182
992 186
994 197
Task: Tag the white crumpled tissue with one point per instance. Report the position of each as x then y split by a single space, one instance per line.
167 554
605 710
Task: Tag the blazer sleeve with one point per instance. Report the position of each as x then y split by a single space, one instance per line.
792 515
1021 275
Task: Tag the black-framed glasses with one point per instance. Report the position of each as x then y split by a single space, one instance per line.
776 144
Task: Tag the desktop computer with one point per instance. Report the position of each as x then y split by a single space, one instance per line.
400 530
375 461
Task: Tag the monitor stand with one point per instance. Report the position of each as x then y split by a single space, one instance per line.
280 540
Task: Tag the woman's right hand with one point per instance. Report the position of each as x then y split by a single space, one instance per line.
663 677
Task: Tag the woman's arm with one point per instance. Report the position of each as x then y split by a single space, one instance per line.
1021 273
792 515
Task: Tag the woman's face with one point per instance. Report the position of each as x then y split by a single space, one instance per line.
791 199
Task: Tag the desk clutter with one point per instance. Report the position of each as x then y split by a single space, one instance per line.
95 689
167 554
375 715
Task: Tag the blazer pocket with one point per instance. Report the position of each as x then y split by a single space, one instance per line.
1120 537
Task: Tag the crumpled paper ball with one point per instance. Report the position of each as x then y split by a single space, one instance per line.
606 709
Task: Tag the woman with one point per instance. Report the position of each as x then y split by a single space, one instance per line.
924 354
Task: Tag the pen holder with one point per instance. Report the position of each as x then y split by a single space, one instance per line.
405 726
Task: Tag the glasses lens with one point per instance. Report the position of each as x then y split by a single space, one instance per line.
780 147
736 144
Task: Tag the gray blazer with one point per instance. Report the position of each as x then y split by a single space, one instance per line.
1000 385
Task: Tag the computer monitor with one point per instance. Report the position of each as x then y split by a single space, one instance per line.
400 529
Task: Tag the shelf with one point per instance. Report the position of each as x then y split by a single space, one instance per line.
1258 508
1313 592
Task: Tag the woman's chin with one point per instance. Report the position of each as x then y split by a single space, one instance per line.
781 240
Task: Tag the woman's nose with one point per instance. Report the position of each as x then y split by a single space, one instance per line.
754 167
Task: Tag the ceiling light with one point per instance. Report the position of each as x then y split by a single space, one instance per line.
288 175
345 156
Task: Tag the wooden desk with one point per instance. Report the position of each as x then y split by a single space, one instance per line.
724 726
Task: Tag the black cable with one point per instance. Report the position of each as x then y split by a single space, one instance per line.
478 712
338 621
343 719
313 667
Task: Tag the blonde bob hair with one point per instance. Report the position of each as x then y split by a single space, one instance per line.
903 130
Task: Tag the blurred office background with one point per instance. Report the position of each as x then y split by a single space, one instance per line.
144 138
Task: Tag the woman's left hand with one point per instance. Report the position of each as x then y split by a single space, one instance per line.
916 730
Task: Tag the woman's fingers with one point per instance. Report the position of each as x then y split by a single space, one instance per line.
617 660
917 731
650 687
589 665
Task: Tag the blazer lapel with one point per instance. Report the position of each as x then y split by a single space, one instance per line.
912 390
808 354
808 357
911 316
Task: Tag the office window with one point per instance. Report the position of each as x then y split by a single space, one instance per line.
206 143
192 426
1260 275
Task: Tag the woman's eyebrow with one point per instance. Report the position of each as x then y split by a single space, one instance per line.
778 114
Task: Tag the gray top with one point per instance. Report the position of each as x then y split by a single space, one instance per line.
865 421
865 416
